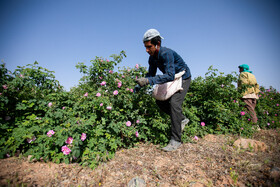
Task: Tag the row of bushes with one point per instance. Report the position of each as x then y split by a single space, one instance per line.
102 114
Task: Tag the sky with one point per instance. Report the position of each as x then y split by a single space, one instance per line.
223 33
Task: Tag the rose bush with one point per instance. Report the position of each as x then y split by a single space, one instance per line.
102 114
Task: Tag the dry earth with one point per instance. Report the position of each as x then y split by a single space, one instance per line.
211 161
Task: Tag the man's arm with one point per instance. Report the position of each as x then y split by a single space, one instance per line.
169 68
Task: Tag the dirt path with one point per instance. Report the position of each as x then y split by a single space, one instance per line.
211 161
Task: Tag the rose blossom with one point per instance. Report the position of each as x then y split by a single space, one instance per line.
136 134
103 83
86 94
242 113
69 140
50 133
128 123
98 94
83 137
65 150
115 92
50 104
202 124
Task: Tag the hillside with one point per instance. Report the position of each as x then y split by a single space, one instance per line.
211 161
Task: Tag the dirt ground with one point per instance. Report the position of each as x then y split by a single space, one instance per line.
211 161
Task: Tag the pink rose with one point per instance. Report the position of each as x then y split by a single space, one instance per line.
83 137
136 134
119 84
103 83
50 133
65 150
98 94
69 140
128 123
86 94
202 124
115 92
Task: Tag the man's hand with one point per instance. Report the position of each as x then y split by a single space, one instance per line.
142 81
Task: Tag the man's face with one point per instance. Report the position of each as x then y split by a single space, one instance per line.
241 70
150 48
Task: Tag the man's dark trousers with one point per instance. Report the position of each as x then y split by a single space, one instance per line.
173 107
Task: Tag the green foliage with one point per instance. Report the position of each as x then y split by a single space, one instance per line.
102 114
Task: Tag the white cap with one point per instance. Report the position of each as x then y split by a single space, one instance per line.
151 33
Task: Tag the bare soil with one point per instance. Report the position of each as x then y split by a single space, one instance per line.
211 161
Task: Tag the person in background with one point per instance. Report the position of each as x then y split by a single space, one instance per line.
169 63
247 83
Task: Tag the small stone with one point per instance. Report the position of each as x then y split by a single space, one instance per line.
275 174
29 158
136 182
139 163
249 143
